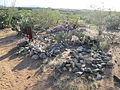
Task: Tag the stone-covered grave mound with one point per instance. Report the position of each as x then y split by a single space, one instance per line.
85 59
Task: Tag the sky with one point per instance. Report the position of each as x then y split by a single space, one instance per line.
68 4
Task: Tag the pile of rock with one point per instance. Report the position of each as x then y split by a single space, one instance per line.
24 48
85 58
55 49
86 62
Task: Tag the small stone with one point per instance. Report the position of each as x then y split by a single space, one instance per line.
99 77
89 77
28 77
80 49
64 69
68 65
79 73
96 55
83 69
83 49
21 50
96 70
88 62
78 65
74 38
23 44
75 54
88 70
45 61
94 66
109 65
116 79
106 58
72 64
81 61
75 69
99 65
109 55
42 55
70 69
103 63
35 57
83 65
37 48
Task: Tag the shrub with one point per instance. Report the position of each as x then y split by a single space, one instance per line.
104 46
3 19
60 37
112 22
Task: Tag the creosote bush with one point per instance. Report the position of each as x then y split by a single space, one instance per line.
60 37
112 22
104 46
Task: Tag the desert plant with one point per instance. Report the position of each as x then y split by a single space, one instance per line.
45 17
60 37
112 22
104 46
3 19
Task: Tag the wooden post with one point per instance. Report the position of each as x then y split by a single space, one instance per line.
28 31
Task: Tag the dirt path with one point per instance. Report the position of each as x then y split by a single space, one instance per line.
17 73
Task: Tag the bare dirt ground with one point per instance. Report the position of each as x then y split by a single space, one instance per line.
22 73
18 73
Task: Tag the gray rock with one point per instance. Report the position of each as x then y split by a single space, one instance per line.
68 65
96 70
116 79
96 55
99 65
79 73
81 61
109 65
45 61
83 65
83 69
23 44
35 57
90 77
75 54
83 49
75 69
21 50
64 69
107 58
42 55
88 70
78 65
70 69
94 66
88 62
103 63
80 49
37 48
99 77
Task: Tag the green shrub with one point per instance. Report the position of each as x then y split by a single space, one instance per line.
60 37
3 19
104 46
112 22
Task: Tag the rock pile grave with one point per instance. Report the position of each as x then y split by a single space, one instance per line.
85 59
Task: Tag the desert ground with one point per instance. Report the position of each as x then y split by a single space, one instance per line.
22 73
